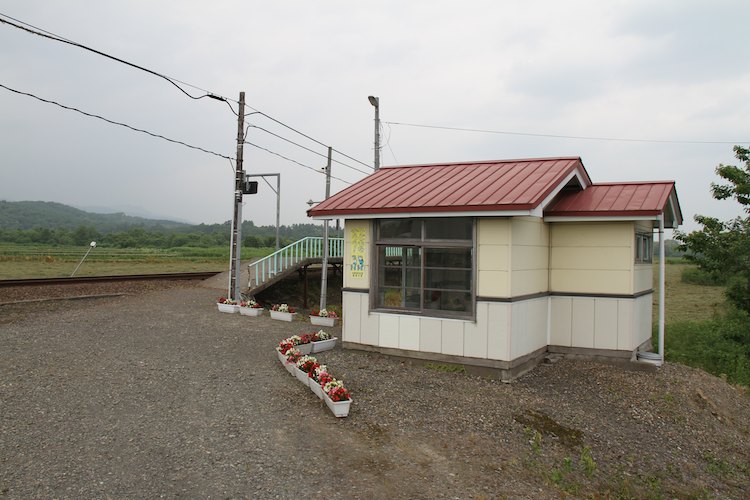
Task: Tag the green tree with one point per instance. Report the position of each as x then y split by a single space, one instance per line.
722 249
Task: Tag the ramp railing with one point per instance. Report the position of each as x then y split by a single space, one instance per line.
291 256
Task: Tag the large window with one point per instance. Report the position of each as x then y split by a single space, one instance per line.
426 266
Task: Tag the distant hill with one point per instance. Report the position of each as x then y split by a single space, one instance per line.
51 215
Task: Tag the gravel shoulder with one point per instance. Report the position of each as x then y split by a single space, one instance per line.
156 393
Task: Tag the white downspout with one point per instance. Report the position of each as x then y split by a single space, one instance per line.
662 281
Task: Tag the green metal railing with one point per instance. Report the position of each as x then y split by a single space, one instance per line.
311 247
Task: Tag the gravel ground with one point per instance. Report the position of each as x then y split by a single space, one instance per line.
158 394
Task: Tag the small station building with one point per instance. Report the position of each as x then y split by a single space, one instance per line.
495 264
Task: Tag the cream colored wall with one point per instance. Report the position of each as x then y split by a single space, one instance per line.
350 228
600 323
591 257
493 257
529 256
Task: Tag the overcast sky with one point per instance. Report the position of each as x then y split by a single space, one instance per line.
656 70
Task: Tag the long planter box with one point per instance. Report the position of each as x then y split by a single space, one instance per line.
324 345
282 316
322 321
338 408
228 308
251 311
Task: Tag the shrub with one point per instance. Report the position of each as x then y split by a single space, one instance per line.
720 346
696 276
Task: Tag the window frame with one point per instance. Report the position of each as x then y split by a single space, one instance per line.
644 247
423 244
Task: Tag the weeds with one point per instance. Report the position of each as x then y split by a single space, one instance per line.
447 368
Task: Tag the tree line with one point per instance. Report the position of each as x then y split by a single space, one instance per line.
202 235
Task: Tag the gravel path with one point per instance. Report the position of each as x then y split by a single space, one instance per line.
158 394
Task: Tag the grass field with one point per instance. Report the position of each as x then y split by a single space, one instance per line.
23 261
685 301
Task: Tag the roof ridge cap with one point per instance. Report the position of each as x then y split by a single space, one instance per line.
483 162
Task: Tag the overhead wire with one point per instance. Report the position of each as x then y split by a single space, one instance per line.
113 122
295 161
560 136
57 38
308 137
388 142
307 149
22 25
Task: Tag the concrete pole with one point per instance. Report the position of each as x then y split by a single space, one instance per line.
324 278
239 179
375 101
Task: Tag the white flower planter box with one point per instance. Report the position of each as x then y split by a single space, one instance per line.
324 345
251 311
282 316
282 358
302 376
304 349
290 367
322 321
228 308
338 408
316 388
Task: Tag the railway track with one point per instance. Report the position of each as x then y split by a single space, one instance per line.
76 280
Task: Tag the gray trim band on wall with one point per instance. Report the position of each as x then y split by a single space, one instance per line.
513 299
603 295
565 294
356 290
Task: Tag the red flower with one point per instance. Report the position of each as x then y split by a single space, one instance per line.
325 377
339 394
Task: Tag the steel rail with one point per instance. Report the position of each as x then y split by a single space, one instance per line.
101 279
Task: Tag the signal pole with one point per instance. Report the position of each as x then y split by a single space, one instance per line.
239 179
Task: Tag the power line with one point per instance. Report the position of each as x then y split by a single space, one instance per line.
116 123
588 138
307 149
295 161
174 81
307 136
57 38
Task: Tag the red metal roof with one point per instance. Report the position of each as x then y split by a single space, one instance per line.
503 185
615 199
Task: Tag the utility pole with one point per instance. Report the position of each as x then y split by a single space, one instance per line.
239 180
324 278
375 101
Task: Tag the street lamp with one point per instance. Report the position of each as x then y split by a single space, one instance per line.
375 101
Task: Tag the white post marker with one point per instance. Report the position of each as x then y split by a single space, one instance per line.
91 247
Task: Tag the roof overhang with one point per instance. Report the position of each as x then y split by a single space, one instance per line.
415 214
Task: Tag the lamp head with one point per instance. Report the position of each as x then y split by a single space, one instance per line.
373 100
92 244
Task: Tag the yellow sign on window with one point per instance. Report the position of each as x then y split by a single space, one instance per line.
358 242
